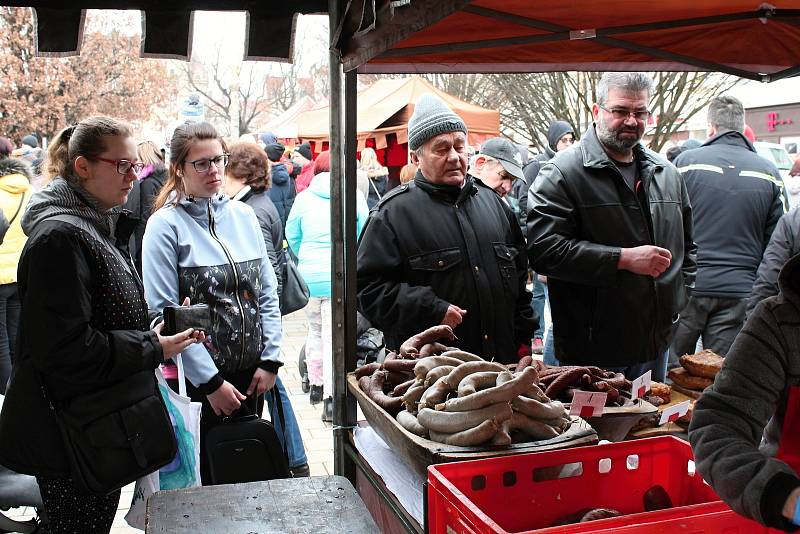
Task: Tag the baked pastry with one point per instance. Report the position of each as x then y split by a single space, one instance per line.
657 389
705 363
682 378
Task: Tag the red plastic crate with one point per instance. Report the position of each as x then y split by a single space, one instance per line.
519 494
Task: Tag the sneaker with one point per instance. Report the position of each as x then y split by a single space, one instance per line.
537 347
300 471
327 410
316 394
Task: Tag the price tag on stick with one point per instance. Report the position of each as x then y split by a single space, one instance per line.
641 386
588 403
669 415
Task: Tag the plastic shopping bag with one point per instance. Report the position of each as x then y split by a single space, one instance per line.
184 470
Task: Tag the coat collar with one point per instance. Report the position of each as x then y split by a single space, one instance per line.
451 194
731 138
595 156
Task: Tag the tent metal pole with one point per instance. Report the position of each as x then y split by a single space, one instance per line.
342 464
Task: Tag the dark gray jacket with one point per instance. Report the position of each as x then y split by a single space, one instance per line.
271 227
582 213
737 424
784 243
736 203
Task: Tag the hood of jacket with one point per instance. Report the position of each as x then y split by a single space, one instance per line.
14 166
789 279
280 176
61 197
321 185
731 138
557 130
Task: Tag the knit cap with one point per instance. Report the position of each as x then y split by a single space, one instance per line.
431 117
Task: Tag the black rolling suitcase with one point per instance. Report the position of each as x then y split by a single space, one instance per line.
246 448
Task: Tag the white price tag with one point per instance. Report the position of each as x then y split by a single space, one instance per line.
672 413
641 385
588 403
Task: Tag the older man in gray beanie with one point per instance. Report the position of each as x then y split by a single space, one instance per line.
445 249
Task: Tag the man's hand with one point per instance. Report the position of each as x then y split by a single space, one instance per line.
453 316
791 509
262 381
645 260
226 399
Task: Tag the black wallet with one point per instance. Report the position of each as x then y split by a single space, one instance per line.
179 318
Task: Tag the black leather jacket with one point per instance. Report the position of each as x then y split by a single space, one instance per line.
426 246
581 213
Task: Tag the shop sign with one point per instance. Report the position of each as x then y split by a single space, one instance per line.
774 120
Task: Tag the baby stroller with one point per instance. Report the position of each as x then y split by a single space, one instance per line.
19 491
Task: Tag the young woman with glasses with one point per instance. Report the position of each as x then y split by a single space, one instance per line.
200 244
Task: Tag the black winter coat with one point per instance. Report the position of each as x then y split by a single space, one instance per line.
271 228
84 326
581 213
282 192
140 206
426 246
783 245
736 203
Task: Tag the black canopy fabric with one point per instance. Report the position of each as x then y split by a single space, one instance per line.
167 31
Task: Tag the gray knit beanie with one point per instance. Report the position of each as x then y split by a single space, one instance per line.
431 117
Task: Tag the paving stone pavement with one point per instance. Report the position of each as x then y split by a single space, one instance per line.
317 436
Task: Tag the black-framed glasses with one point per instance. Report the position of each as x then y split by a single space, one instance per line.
622 114
123 165
204 165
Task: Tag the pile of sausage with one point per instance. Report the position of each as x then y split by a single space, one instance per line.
561 383
457 398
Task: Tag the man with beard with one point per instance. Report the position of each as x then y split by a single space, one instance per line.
610 225
445 248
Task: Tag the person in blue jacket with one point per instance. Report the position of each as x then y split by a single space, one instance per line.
308 231
282 193
200 244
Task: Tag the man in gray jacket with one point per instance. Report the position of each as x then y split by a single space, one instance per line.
744 429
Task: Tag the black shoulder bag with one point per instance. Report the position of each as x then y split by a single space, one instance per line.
295 292
119 433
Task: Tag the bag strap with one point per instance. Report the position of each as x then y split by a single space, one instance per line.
21 201
374 188
279 405
181 375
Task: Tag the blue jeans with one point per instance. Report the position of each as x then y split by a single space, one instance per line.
550 349
9 324
294 446
657 366
539 299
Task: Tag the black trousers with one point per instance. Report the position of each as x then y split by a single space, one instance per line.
69 511
717 320
208 419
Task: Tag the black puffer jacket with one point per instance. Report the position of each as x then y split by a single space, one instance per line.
736 203
271 227
783 245
140 206
581 213
426 246
84 325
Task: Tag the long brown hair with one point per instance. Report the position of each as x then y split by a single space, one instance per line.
87 139
183 139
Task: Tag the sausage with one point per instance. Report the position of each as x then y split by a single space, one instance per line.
533 428
410 423
400 389
412 396
505 376
467 368
563 381
373 387
437 373
599 513
424 366
435 393
475 381
503 393
656 498
524 362
400 366
429 349
503 436
367 370
462 355
413 344
538 410
450 422
618 381
470 437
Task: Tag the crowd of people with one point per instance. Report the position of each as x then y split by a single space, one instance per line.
639 258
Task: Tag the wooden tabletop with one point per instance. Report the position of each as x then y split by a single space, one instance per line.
313 505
